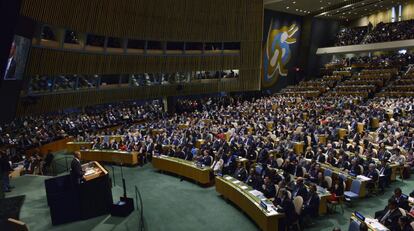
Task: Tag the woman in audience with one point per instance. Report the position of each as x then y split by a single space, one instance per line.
337 189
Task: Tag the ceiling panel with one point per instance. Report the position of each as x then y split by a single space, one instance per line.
338 9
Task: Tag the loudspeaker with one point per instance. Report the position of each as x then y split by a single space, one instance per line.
123 208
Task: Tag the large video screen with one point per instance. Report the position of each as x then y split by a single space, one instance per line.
16 62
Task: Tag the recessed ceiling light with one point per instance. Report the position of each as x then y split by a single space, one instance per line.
287 7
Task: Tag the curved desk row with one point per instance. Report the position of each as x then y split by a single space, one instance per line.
252 202
185 168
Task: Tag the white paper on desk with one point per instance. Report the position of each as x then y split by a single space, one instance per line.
244 187
89 172
363 178
255 193
236 182
375 224
228 177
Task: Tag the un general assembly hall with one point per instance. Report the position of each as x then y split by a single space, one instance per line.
207 115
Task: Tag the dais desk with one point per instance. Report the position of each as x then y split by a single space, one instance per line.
183 168
110 156
77 146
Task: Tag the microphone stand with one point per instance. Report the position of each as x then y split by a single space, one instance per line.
123 181
113 174
141 226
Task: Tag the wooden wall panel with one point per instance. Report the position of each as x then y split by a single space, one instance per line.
150 19
161 20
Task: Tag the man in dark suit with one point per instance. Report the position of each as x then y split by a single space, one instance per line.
241 172
268 188
355 169
11 63
5 170
385 174
373 175
76 172
207 160
300 189
297 171
399 199
286 206
402 201
391 216
311 204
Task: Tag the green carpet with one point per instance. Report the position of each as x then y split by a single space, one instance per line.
171 204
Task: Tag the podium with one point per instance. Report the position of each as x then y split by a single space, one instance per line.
69 202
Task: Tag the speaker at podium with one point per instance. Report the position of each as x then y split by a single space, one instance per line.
70 202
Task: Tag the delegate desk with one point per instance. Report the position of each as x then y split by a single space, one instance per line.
77 146
323 193
110 156
185 168
394 166
372 224
252 202
54 146
336 171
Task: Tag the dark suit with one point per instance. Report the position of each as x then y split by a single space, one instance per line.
385 176
391 221
407 227
241 174
255 181
300 190
76 171
311 205
355 170
374 178
206 161
402 202
268 190
286 206
298 171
